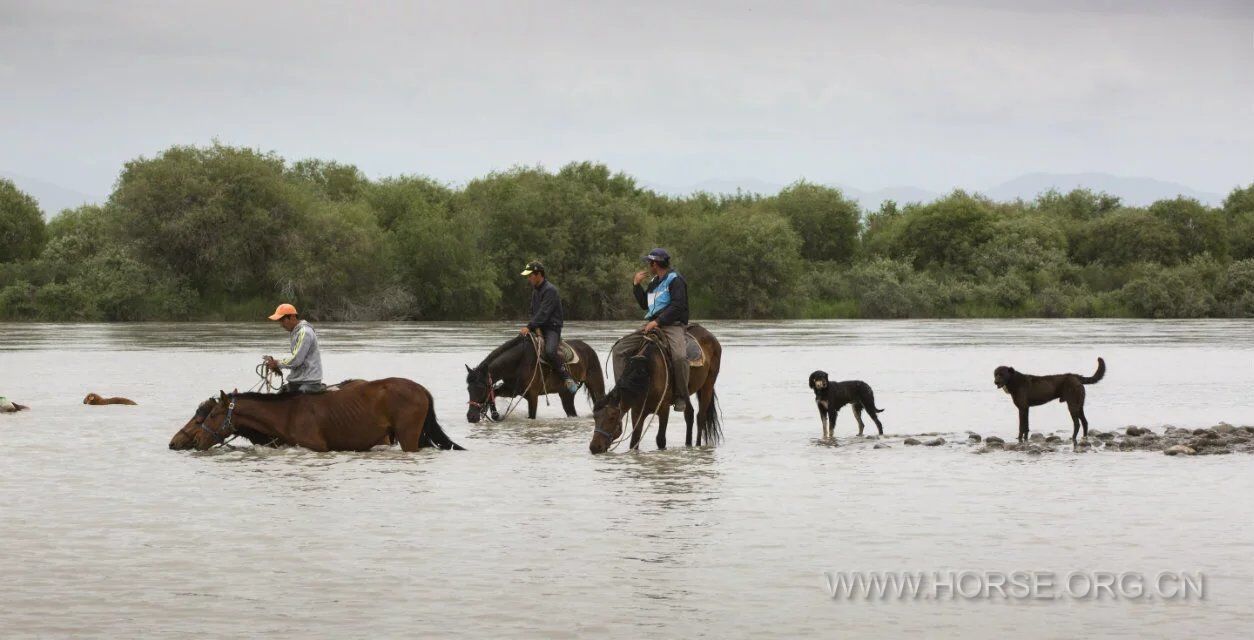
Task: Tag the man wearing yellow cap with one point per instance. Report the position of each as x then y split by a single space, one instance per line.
304 363
547 317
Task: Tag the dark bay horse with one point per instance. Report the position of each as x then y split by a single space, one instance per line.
644 388
512 370
352 419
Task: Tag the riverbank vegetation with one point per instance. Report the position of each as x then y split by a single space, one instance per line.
222 233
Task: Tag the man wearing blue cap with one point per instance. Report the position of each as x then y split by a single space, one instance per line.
665 301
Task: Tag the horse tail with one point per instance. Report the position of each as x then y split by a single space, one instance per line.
711 429
1096 377
433 434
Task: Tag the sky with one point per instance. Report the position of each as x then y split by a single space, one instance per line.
934 95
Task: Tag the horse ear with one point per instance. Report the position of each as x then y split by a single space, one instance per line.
221 394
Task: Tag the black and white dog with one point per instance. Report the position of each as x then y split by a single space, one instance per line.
831 396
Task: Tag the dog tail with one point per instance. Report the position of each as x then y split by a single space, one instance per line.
1097 377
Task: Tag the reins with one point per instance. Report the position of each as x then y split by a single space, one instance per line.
535 373
648 337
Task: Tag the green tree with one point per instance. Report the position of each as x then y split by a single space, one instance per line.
947 233
1199 229
21 224
827 222
1127 237
742 264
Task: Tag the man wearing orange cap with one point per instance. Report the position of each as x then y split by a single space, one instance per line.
304 364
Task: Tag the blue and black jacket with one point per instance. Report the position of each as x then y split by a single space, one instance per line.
666 299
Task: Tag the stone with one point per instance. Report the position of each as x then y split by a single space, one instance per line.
1224 428
1103 435
974 437
934 442
910 441
1180 450
1034 450
994 440
1135 431
1037 437
1053 439
881 445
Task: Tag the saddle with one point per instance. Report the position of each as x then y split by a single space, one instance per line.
567 353
692 349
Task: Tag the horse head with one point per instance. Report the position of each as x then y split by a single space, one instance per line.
218 424
608 412
184 438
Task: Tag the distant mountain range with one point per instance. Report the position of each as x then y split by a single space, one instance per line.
52 198
1132 190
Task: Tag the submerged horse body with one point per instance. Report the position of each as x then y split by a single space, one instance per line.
644 389
356 418
515 369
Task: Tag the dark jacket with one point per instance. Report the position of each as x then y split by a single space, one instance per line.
546 307
676 310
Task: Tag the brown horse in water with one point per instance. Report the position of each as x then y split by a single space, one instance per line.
644 388
355 418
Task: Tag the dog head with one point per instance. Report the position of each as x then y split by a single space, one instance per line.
1002 376
91 399
818 381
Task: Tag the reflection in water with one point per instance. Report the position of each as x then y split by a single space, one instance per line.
106 532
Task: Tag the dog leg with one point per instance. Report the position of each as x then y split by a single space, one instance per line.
857 415
1023 424
831 423
878 425
823 419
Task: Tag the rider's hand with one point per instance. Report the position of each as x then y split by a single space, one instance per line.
526 331
640 276
650 326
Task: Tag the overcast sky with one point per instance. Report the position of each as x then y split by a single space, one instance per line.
869 94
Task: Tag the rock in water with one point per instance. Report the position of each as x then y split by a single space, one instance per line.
973 437
1033 450
1223 427
881 445
935 442
994 440
910 441
1135 431
1037 437
1053 439
1180 450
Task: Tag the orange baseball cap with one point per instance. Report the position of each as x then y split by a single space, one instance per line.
284 309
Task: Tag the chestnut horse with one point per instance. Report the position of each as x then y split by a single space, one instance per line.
645 388
351 419
512 370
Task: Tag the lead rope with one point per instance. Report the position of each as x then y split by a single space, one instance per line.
266 382
513 404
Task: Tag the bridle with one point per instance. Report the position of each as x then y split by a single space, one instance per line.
491 399
228 428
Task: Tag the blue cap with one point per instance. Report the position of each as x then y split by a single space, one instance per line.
657 255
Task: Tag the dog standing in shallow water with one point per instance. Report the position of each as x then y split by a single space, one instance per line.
831 396
1030 391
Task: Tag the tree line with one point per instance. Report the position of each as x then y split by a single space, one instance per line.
222 233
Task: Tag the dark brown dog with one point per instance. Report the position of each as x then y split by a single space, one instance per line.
95 399
1030 391
831 396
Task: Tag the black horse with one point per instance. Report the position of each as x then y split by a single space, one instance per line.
513 369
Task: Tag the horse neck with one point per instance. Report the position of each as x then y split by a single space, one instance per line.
505 361
269 418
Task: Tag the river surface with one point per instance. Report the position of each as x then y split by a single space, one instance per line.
105 532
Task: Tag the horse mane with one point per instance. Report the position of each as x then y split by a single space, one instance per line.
498 352
635 378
